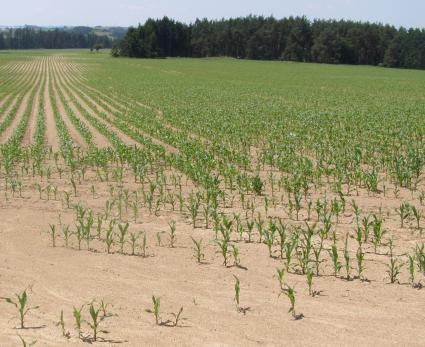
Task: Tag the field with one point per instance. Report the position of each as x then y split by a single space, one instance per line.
276 203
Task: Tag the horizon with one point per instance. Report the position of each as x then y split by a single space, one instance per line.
49 13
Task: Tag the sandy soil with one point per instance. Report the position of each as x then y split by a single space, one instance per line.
346 312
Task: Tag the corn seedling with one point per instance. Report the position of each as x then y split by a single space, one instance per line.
335 259
78 319
66 233
237 292
21 304
394 266
404 212
291 295
236 259
378 232
61 324
144 245
412 270
418 216
74 186
366 223
198 250
250 228
257 185
134 237
269 238
156 301
281 277
360 262
223 246
109 239
310 282
172 233
347 259
53 234
289 248
123 231
96 319
282 238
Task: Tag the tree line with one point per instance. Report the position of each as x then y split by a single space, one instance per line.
268 38
30 38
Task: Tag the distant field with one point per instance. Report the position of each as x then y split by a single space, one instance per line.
188 179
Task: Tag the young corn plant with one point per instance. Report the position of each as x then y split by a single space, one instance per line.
394 266
61 323
347 259
360 262
378 232
417 214
317 251
122 239
335 259
257 185
291 295
310 282
53 234
281 278
79 234
134 237
239 308
97 318
144 245
193 208
412 270
366 223
66 234
156 301
172 233
250 229
357 211
237 292
289 249
198 250
404 212
78 320
269 238
236 259
223 249
109 238
282 238
21 304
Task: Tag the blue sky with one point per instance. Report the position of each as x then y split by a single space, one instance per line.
130 12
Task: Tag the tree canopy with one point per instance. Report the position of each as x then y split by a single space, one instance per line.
268 38
31 38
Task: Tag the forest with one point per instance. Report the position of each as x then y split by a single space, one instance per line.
36 38
267 38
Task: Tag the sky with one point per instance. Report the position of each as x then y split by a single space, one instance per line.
408 13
